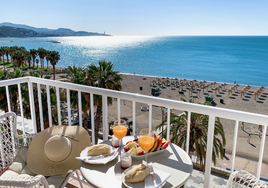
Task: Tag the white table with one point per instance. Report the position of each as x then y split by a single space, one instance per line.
174 161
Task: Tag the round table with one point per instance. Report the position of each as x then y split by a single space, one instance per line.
173 160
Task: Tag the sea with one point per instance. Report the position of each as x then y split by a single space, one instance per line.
226 59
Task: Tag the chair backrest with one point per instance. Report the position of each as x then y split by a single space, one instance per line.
244 179
10 140
8 144
38 181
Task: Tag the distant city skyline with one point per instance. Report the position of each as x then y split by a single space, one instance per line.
148 18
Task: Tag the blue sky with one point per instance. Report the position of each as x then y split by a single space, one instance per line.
143 17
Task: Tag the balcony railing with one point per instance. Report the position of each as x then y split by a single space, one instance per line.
212 112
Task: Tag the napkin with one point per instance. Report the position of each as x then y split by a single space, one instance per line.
97 159
160 178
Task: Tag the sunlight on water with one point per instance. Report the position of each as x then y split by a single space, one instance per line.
103 41
202 58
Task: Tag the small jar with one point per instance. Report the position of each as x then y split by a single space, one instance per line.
115 142
126 160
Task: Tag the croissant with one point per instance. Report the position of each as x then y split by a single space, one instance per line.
99 149
137 174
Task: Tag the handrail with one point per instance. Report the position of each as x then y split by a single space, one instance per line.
173 104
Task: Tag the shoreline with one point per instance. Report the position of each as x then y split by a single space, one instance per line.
208 81
8 42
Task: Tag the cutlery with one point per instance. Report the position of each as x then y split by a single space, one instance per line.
96 157
152 173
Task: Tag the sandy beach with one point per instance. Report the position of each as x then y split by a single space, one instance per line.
247 102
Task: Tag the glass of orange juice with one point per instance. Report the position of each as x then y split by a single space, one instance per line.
146 140
120 131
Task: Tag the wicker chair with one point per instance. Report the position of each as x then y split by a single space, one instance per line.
32 182
243 179
13 151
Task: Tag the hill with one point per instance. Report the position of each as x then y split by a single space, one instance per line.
50 32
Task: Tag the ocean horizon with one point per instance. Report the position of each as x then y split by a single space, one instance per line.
229 59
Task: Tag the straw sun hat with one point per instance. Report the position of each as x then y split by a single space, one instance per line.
53 151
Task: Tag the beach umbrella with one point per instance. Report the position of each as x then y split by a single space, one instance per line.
182 86
241 92
203 87
172 84
215 90
256 94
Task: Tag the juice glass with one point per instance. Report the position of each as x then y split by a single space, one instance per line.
146 140
120 131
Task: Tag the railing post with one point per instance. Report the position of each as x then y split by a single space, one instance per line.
31 97
118 110
234 145
8 99
80 109
69 107
211 125
49 106
58 105
261 151
168 124
92 118
105 117
150 116
134 118
188 132
21 111
40 107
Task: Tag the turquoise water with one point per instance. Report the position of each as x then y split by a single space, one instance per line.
243 59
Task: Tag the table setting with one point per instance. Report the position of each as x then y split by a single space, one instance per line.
128 165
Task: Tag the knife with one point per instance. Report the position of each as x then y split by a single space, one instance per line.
96 157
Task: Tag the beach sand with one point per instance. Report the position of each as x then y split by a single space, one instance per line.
132 83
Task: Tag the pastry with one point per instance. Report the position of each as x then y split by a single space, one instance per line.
99 149
137 174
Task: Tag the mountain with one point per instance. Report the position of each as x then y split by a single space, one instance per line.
53 32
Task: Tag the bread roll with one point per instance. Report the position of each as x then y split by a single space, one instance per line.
137 174
99 149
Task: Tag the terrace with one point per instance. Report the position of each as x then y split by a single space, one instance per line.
212 112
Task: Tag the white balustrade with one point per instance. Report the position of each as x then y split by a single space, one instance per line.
212 112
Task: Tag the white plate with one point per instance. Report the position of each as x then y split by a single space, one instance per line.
140 157
104 160
134 185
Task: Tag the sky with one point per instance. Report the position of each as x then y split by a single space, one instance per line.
143 17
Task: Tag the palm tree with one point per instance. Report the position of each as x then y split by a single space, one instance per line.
103 76
54 57
12 49
42 54
28 58
37 61
78 76
3 52
33 53
19 57
7 52
198 135
47 55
